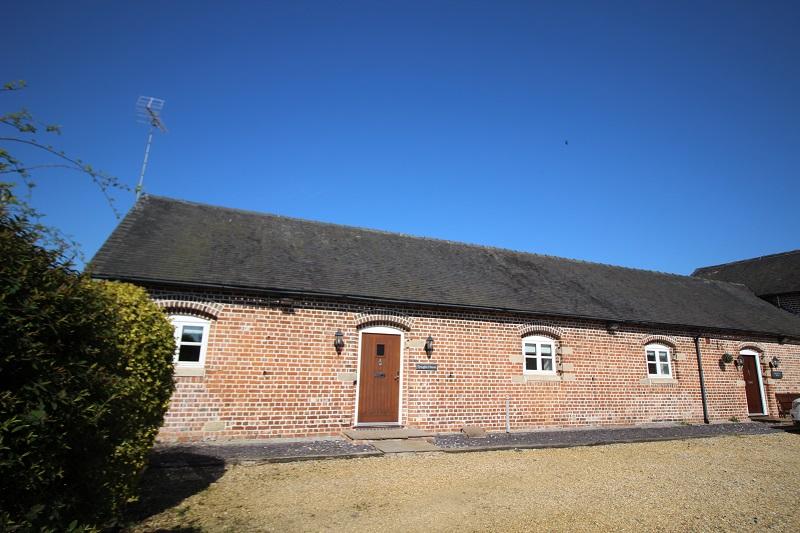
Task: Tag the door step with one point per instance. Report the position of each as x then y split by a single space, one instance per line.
405 446
385 434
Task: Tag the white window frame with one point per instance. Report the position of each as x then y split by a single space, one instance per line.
657 349
178 321
539 340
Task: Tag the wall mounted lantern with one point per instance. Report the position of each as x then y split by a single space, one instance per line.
429 346
338 343
775 363
739 362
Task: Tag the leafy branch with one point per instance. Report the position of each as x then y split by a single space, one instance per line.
25 127
101 179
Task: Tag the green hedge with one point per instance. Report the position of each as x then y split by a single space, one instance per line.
85 380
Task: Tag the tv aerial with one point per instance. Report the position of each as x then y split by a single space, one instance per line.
148 111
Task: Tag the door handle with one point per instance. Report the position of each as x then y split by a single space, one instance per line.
397 376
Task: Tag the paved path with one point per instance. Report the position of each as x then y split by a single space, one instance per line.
215 454
257 452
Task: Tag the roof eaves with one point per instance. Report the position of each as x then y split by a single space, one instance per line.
360 298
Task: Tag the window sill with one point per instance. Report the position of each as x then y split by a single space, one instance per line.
190 371
542 377
659 381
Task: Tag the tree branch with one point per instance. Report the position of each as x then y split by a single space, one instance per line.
34 167
102 180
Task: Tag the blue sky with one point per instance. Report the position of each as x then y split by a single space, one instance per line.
658 135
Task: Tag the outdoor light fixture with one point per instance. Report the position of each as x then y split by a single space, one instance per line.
429 346
339 342
775 363
612 327
739 362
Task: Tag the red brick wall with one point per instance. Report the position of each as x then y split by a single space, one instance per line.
272 371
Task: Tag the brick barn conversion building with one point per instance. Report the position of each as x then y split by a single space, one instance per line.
290 328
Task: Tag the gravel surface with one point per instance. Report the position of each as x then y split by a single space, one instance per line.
744 482
584 437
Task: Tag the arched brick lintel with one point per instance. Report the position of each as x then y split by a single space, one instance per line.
185 307
530 329
665 339
384 319
750 346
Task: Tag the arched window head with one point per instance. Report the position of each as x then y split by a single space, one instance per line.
539 355
659 364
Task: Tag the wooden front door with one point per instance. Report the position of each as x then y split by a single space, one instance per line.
751 385
379 382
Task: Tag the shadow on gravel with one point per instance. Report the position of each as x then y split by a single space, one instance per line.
172 477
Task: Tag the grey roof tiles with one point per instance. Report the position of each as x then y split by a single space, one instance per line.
162 240
767 275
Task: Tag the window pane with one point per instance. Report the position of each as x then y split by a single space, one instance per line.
192 334
530 349
380 349
665 369
651 356
547 350
189 353
652 368
547 363
530 363
662 356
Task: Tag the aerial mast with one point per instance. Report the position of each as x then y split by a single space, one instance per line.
148 111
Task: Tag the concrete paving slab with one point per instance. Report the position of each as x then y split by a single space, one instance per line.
385 434
405 446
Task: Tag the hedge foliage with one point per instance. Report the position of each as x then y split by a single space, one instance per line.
85 380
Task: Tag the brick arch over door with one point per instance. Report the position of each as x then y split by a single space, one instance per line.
384 318
186 307
750 346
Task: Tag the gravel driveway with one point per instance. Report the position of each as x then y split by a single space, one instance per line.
720 483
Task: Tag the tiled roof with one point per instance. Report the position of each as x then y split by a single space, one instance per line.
766 275
162 240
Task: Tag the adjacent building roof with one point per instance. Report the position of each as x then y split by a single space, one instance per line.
766 275
162 240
